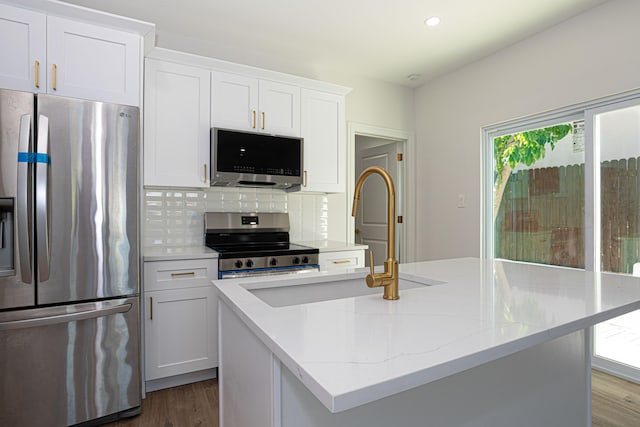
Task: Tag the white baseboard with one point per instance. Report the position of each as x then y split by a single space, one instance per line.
177 380
619 370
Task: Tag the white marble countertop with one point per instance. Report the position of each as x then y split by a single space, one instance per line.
353 351
332 245
170 253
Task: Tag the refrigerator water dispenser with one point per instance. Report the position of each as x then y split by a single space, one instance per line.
6 237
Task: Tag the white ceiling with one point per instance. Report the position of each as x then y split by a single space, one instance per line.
380 39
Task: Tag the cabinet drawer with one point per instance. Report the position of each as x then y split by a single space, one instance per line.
341 260
162 275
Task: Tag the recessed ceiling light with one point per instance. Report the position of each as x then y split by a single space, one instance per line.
432 22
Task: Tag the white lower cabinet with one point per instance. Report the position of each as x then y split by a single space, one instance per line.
181 317
340 260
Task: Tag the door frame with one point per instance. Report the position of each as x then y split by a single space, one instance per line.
405 189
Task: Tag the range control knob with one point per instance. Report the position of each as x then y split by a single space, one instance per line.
296 260
238 264
305 260
249 263
273 262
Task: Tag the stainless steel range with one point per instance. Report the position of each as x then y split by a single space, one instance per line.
252 244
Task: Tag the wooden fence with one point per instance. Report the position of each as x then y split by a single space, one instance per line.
541 218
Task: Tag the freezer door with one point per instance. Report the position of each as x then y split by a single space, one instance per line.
69 364
86 200
16 249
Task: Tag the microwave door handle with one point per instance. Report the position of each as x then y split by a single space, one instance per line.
23 218
2 215
42 202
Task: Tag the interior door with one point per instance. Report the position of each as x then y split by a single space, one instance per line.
371 221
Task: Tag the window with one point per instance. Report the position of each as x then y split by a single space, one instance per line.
538 195
571 200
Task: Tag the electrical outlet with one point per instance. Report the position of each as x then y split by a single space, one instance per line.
461 200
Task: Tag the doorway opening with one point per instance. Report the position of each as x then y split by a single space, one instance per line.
393 151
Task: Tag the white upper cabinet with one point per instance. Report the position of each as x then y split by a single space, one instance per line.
23 41
324 133
246 103
279 108
64 57
91 62
234 101
176 124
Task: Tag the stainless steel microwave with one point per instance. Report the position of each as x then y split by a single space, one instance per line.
248 159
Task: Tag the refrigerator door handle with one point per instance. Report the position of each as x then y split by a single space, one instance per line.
42 204
22 200
64 318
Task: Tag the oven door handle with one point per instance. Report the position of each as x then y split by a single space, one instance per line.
309 268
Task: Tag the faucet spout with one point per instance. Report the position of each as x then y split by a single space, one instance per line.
389 278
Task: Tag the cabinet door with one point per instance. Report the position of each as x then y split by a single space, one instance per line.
176 125
234 101
22 49
279 108
91 62
323 130
181 333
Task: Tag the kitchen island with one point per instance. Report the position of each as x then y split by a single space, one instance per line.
472 343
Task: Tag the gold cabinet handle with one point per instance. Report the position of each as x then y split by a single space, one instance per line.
188 273
254 119
346 261
38 74
262 120
150 308
54 77
205 173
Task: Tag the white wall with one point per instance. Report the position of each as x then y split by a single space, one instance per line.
590 56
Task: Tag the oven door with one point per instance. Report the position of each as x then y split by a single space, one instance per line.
238 274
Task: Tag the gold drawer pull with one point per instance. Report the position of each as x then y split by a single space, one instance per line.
189 273
346 261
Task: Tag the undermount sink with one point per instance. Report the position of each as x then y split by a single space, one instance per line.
318 289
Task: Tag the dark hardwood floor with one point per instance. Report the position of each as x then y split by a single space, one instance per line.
191 405
616 403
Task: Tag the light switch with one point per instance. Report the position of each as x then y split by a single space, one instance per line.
461 200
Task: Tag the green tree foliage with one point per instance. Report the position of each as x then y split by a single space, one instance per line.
522 148
526 147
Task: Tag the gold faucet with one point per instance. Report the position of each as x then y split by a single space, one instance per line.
389 278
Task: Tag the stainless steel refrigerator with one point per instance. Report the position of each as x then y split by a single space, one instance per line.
69 285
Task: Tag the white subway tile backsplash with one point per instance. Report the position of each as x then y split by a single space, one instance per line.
174 217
